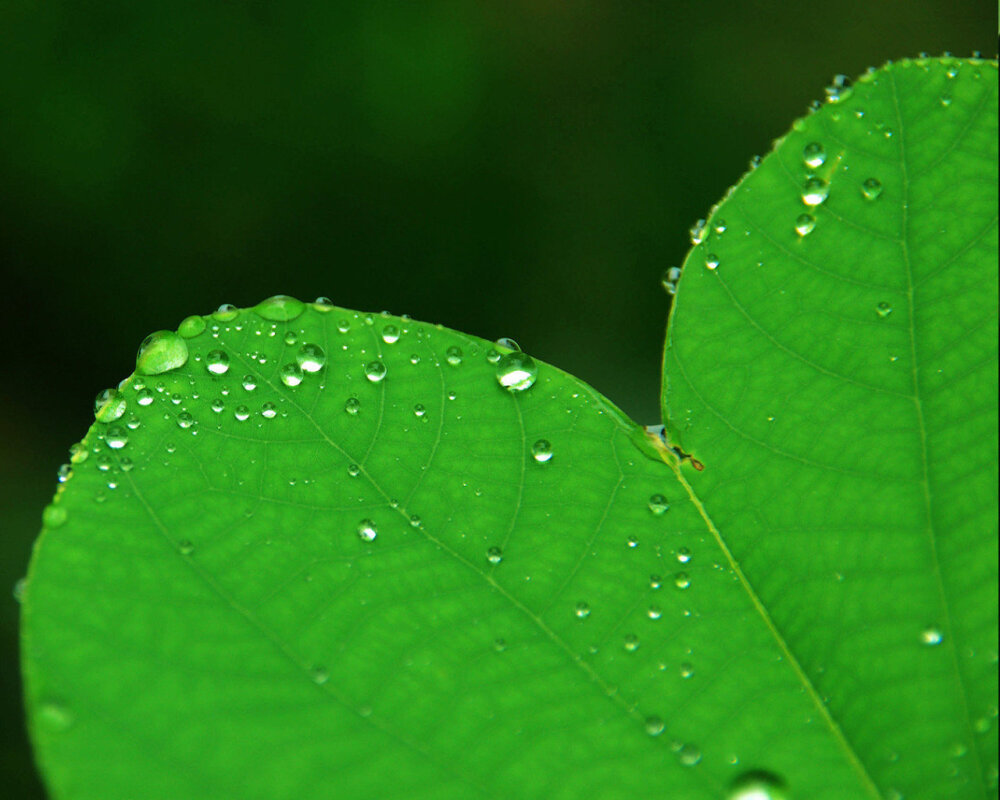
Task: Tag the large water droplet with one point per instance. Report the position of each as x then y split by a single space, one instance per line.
191 327
291 374
109 405
757 785
815 191
541 451
872 189
161 352
116 437
280 308
217 362
367 530
813 155
516 371
227 312
390 334
375 371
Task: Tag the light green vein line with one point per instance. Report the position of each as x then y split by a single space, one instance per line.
922 428
822 709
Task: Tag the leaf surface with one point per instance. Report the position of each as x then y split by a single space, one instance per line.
840 384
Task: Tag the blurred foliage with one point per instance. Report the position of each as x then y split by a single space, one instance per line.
507 168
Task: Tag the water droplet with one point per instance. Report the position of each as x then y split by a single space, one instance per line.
654 612
242 413
269 410
654 726
681 580
343 326
541 451
516 371
280 308
494 555
815 191
688 755
133 422
711 261
217 362
291 339
144 397
320 675
414 358
630 642
658 504
352 405
931 636
291 374
757 785
323 304
492 355
719 226
185 547
499 645
813 155
116 437
945 100
805 224
508 343
78 453
367 530
453 356
632 542
683 555
218 406
353 470
655 581
53 516
686 669
415 520
582 610
109 405
191 327
697 232
883 310
227 312
839 89
55 717
872 189
249 382
185 420
390 334
161 352
375 371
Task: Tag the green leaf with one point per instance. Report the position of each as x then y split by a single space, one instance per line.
841 388
306 552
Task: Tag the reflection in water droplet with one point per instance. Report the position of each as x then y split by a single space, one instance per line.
311 358
813 155
541 451
375 371
805 224
367 530
815 191
109 405
757 785
658 504
217 362
494 555
352 405
516 371
872 189
161 352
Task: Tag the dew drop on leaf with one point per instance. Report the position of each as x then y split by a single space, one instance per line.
883 310
320 675
116 437
353 470
242 413
311 358
323 304
218 406
185 547
508 343
390 334
269 410
683 555
658 504
109 405
161 352
454 356
227 312
541 451
711 261
367 530
582 610
654 726
280 308
681 580
494 555
53 516
805 224
931 636
217 362
872 189
630 642
697 232
185 420
516 371
55 717
352 405
419 410
191 326
686 669
291 374
688 755
815 191
813 155
249 383
757 785
375 371
144 397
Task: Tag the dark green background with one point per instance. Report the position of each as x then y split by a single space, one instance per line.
522 168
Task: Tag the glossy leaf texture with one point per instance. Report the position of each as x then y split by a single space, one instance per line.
832 360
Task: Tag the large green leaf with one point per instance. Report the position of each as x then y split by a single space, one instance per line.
269 575
840 384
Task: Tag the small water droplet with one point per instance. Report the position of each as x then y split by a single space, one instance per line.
191 327
217 362
499 645
454 356
185 420
390 334
311 358
353 470
654 726
516 371
291 339
185 547
20 589
688 755
414 358
883 310
415 520
697 232
419 410
53 516
269 410
492 355
320 675
872 189
582 610
541 451
945 100
654 612
242 413
218 406
711 261
375 371
683 555
161 352
815 191
658 504
323 304
227 312
630 642
494 555
655 581
813 155
109 405
719 226
144 397
116 437
280 308
249 382
681 580
805 224
686 669
343 326
632 542
931 636
352 405
367 530
291 374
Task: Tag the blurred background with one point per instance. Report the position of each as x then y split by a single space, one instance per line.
522 168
